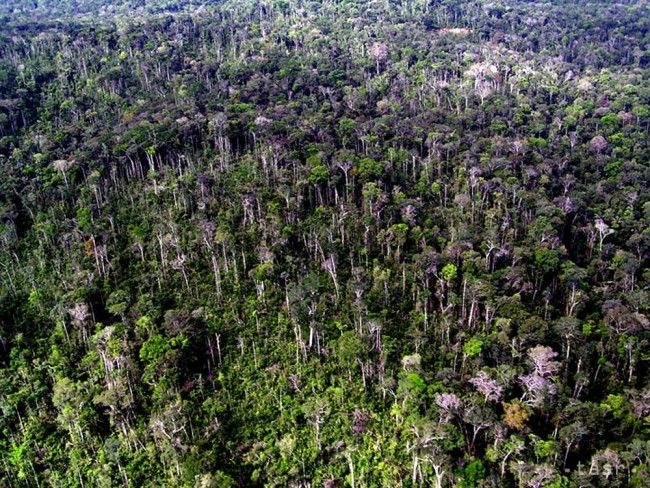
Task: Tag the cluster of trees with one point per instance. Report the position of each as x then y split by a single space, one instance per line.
334 243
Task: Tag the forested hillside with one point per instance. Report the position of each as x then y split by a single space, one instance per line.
337 243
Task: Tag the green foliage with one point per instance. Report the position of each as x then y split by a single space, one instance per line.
472 474
154 349
612 169
118 302
546 260
473 347
545 449
615 404
368 168
318 174
349 348
449 272
561 482
346 127
240 107
84 219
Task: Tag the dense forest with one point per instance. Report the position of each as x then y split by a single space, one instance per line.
337 243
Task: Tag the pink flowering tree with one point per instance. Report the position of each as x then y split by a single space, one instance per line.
486 386
542 359
449 405
379 53
538 385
